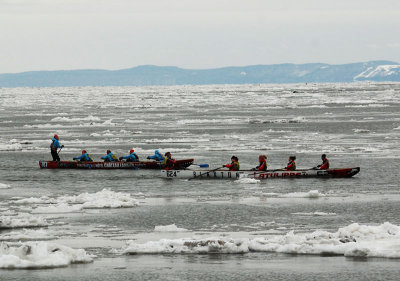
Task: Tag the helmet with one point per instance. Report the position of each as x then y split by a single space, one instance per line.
131 151
323 156
108 151
168 153
156 151
83 151
262 157
56 137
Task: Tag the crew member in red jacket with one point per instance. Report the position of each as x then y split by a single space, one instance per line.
169 162
325 163
234 166
262 159
291 166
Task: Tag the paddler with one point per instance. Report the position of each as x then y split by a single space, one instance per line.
84 157
157 156
132 157
325 163
168 162
55 144
234 166
291 166
262 166
110 157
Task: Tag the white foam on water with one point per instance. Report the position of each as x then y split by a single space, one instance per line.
4 186
354 240
27 234
361 131
246 180
22 220
58 209
310 194
169 228
10 147
314 214
40 255
67 119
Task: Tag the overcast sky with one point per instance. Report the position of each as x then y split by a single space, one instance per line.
116 34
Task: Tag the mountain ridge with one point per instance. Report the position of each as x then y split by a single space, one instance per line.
147 75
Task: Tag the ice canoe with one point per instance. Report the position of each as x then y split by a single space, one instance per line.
180 164
271 174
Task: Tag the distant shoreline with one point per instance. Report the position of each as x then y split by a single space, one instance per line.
148 75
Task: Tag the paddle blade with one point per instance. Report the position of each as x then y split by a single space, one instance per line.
204 165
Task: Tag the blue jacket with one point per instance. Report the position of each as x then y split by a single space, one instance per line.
55 144
133 156
157 156
83 157
109 157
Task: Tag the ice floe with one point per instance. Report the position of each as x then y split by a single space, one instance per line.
22 220
40 255
169 228
354 240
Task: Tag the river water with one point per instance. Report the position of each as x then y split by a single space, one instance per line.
125 225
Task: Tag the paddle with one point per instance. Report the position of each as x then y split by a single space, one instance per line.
60 150
202 165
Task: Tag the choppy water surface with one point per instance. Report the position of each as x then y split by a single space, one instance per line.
343 229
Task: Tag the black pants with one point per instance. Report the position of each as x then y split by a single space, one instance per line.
55 156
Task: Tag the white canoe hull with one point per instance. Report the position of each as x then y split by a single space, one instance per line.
272 174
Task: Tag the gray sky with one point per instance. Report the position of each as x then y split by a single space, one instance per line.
115 34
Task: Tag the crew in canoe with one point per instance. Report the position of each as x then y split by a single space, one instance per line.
132 157
291 166
168 162
157 156
262 166
325 163
84 157
234 166
55 144
110 157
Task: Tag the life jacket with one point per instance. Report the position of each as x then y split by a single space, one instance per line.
234 166
114 157
88 158
168 163
54 144
263 166
325 164
291 166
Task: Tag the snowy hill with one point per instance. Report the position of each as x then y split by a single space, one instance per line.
169 75
380 73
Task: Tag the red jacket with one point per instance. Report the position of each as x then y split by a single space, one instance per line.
263 166
325 164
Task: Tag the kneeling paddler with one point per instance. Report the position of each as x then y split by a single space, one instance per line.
110 157
132 157
169 162
84 157
234 165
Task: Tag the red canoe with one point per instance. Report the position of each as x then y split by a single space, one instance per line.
180 164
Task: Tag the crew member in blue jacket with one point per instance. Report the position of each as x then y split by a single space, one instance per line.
84 157
132 157
110 157
157 156
55 144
